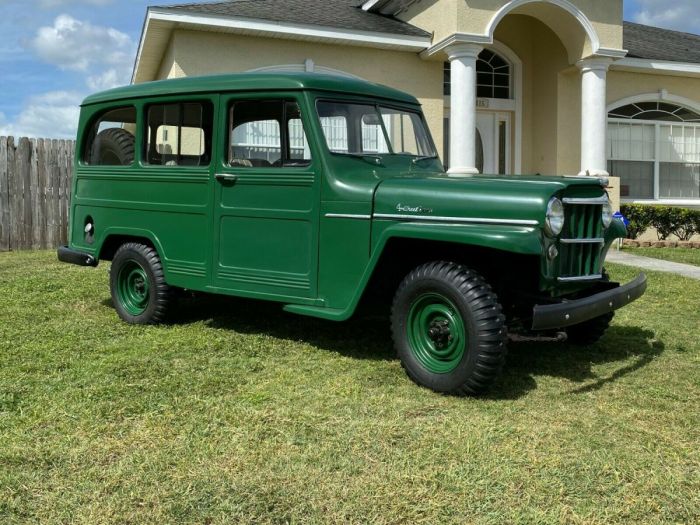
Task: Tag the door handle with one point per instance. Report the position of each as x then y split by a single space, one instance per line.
226 177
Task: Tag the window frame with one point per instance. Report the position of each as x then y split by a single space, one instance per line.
285 139
656 161
180 100
91 133
447 83
376 105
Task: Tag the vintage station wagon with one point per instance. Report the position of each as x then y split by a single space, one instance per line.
324 194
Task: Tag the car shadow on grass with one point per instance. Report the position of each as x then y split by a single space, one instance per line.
368 337
630 346
361 338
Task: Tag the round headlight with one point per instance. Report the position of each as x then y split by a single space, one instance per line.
554 221
607 214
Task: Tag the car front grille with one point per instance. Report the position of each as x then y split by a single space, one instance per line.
581 243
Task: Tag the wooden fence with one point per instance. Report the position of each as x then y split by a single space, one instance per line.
35 187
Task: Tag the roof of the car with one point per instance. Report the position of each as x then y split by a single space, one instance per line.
255 82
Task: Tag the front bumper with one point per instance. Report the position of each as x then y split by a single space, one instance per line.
68 255
571 312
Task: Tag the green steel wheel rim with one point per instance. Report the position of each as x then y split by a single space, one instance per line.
436 333
133 288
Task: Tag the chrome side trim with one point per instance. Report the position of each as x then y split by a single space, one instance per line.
459 220
595 200
596 240
347 216
580 278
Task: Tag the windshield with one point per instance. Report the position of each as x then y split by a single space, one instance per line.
365 129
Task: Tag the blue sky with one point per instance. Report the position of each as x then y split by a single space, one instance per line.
54 52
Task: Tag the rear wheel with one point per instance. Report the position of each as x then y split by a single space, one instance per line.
139 291
589 332
448 329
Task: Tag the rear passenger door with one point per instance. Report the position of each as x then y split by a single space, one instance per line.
266 200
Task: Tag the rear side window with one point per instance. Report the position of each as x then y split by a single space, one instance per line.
179 134
111 139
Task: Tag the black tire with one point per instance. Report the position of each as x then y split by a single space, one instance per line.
113 147
484 336
589 332
134 262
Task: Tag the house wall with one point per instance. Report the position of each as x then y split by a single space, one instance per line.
543 56
622 84
190 54
445 17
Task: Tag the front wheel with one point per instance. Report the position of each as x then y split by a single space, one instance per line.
448 329
139 291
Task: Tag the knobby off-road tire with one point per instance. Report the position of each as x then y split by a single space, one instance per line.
589 332
139 291
115 147
448 329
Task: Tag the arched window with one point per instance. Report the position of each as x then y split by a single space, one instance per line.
493 76
655 111
654 147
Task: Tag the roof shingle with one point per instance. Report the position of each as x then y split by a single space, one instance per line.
655 43
341 14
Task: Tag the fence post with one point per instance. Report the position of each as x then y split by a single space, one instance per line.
4 198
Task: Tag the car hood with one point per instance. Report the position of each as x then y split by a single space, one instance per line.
518 200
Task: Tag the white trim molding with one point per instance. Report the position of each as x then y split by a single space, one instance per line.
664 201
564 4
660 96
517 97
662 67
292 31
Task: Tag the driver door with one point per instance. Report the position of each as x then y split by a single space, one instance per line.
266 200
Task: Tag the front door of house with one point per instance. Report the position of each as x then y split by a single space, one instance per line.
493 143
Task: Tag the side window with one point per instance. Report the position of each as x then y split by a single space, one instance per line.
266 134
179 134
111 139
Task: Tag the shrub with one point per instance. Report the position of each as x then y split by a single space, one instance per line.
681 222
639 217
665 220
686 223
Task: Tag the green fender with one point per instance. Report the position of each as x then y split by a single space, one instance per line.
131 232
514 239
616 230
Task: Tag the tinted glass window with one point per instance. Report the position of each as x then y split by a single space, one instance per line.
111 139
179 134
267 134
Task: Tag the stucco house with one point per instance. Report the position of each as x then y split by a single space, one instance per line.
507 86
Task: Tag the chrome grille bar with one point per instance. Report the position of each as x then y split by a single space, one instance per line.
592 200
596 240
580 278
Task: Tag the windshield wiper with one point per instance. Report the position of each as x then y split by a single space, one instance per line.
376 158
416 160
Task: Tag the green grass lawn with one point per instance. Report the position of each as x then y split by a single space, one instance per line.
239 413
681 255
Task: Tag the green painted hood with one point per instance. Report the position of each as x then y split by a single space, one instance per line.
514 198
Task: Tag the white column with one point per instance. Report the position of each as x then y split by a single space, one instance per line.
594 116
463 108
